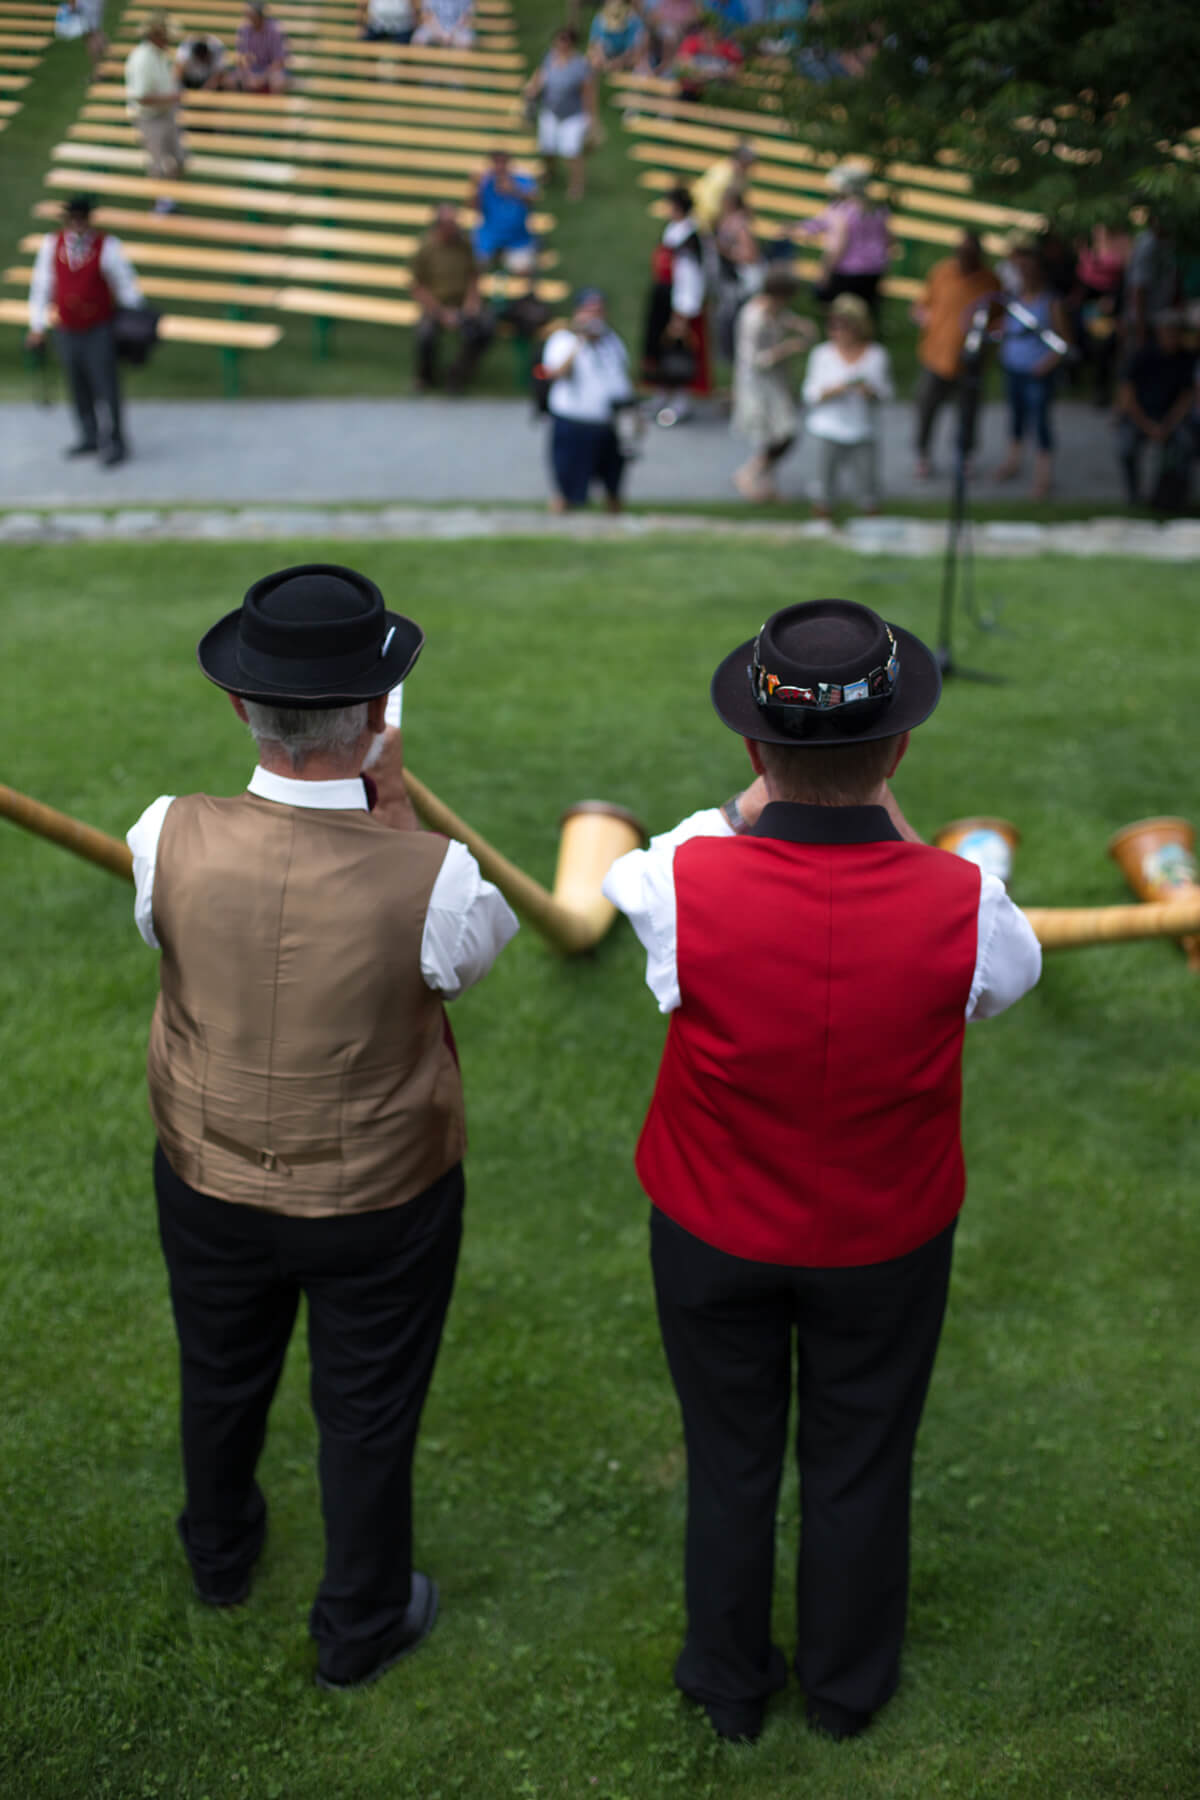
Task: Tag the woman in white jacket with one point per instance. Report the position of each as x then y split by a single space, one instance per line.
847 376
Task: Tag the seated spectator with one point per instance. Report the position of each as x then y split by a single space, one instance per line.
704 60
503 201
617 39
728 175
447 24
445 286
1155 398
387 21
199 61
667 23
262 50
846 378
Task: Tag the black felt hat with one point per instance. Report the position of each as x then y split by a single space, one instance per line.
826 672
315 636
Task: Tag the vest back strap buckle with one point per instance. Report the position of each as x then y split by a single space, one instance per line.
274 1162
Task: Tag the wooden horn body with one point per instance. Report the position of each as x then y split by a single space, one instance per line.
573 918
1155 857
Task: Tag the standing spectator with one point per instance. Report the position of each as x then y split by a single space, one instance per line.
617 39
445 286
1151 281
152 98
85 19
387 21
1155 398
262 49
503 201
85 274
675 351
741 267
1029 363
704 60
954 287
729 175
1100 282
858 240
764 411
565 89
200 61
446 24
846 379
588 369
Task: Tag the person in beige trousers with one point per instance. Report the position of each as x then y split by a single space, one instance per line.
152 94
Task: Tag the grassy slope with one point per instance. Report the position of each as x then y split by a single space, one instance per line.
1054 1647
606 239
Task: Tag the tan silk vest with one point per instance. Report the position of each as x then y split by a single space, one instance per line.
297 1059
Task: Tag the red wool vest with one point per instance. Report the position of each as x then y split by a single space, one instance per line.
808 1101
82 295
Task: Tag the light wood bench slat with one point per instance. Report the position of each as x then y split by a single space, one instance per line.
336 74
224 22
235 232
420 54
391 105
12 84
230 197
25 41
303 150
179 328
348 130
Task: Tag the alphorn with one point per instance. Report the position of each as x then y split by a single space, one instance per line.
573 917
576 915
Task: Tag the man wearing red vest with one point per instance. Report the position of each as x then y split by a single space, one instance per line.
802 1151
85 274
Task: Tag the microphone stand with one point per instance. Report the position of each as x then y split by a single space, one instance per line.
960 540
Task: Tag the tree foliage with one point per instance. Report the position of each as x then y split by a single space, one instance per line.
1080 109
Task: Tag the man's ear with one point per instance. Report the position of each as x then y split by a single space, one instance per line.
755 755
377 713
239 707
901 746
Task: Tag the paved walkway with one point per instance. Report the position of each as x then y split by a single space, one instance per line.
346 452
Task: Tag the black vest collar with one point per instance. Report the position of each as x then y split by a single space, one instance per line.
796 823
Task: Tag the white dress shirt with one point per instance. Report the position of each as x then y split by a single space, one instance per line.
468 921
115 267
1008 957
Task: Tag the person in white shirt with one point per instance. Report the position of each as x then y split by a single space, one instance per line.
85 275
306 1097
200 61
846 378
387 21
152 97
588 368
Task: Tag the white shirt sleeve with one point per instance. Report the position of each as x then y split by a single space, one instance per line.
818 375
143 841
880 374
641 884
41 285
117 270
1008 959
559 346
687 287
467 924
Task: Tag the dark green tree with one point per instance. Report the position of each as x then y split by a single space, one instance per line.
1080 109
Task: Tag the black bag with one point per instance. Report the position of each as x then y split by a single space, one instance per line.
676 365
540 385
135 333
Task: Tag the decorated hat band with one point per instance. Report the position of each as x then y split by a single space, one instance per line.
823 696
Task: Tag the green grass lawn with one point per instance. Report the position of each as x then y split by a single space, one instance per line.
1054 1644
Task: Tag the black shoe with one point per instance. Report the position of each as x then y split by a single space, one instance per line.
836 1721
229 1590
85 447
116 453
737 1721
415 1627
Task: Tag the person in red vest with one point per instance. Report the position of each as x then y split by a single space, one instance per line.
802 1150
85 275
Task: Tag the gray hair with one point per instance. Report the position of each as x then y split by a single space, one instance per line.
304 732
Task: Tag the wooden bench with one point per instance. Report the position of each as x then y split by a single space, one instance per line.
12 84
27 42
346 96
230 336
214 144
317 58
170 227
367 131
224 20
328 209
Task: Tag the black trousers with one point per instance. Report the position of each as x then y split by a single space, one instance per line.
474 334
90 361
377 1286
866 1340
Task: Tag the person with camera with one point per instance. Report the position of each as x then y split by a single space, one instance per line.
85 275
587 366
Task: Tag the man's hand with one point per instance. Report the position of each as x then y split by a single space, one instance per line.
34 340
393 805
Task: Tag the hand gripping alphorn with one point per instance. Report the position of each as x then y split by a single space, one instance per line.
574 917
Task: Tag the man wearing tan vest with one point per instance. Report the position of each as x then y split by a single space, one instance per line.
305 1092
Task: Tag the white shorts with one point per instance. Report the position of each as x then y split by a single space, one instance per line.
459 37
561 137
